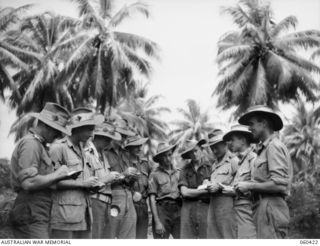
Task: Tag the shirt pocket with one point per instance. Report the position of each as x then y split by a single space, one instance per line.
47 165
164 185
224 176
72 206
74 164
260 170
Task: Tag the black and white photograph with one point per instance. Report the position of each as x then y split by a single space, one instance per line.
159 119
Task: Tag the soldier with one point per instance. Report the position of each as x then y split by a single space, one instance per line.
71 215
271 175
164 195
195 204
101 201
32 174
140 186
240 139
123 225
221 216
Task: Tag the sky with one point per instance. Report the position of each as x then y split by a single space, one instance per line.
187 32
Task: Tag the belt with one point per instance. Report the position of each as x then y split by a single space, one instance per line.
259 196
203 200
102 197
169 201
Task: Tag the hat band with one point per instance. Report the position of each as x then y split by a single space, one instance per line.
81 118
54 117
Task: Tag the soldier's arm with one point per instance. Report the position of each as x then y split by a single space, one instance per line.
29 160
188 192
154 210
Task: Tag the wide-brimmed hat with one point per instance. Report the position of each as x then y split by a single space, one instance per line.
106 129
262 111
54 116
84 117
188 146
239 129
215 132
163 148
135 141
123 128
214 140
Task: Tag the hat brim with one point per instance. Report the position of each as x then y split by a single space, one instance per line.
116 137
247 134
97 120
51 124
138 142
125 132
202 142
156 157
277 121
213 143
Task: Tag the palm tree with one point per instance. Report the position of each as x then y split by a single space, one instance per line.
302 139
143 114
259 63
41 36
9 54
194 125
106 60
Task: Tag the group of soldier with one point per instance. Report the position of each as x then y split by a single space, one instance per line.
79 176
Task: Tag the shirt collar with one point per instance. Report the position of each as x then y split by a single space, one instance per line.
38 137
160 168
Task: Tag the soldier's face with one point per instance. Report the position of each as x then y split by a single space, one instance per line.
256 127
52 134
195 154
219 150
83 133
135 150
166 158
236 143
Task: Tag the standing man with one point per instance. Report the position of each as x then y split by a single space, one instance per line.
32 174
240 139
195 204
271 175
99 167
122 226
71 215
140 186
164 195
221 216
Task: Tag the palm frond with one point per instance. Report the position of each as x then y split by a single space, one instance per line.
287 23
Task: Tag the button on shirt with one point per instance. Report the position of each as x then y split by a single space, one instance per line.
71 205
246 161
141 183
273 162
30 158
99 167
224 171
164 184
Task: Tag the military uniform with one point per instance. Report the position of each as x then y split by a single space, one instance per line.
30 215
194 211
101 201
221 215
242 202
141 186
71 215
122 226
164 185
271 213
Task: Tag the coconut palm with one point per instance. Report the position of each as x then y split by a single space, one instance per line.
259 63
106 60
9 54
40 36
194 125
302 139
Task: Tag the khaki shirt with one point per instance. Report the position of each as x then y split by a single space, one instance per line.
224 171
30 158
273 162
70 206
99 167
245 166
141 184
164 184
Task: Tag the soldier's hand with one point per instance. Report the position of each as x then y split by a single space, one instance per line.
243 186
62 172
90 182
115 175
213 187
160 228
131 171
206 182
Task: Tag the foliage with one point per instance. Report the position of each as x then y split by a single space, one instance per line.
258 64
194 125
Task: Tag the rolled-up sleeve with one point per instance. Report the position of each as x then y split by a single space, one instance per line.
153 185
278 163
29 155
183 179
